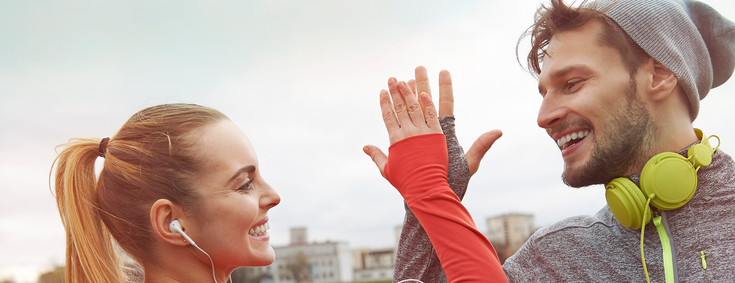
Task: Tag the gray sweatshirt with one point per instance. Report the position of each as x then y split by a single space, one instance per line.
598 248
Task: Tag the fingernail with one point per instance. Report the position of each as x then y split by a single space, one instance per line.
392 81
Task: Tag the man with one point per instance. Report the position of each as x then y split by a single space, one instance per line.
621 83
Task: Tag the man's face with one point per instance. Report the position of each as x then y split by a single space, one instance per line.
591 108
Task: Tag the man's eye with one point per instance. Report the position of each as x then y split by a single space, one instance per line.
573 85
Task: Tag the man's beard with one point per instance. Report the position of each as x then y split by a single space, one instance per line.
628 133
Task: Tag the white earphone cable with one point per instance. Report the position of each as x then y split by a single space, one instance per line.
210 260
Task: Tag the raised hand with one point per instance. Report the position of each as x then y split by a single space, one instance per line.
405 115
446 107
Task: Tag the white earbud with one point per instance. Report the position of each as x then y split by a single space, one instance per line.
176 227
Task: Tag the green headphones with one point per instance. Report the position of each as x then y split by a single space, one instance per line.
668 179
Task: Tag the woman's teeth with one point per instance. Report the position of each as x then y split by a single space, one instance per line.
564 141
259 230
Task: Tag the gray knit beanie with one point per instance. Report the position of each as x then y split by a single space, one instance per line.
688 37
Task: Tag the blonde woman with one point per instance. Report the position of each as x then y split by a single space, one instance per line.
180 192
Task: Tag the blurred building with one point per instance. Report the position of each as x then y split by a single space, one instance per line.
508 232
373 264
301 261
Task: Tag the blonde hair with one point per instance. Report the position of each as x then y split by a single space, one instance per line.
150 158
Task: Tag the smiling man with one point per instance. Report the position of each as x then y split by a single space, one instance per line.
621 82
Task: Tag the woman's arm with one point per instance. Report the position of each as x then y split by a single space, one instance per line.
416 257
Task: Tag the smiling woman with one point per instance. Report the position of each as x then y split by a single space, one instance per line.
172 175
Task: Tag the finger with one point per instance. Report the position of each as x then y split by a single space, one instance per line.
415 112
479 148
399 102
389 117
422 80
432 120
377 156
412 84
446 95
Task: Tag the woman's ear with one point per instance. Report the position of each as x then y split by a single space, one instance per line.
162 213
662 82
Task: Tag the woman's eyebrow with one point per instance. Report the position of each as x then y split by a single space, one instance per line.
246 169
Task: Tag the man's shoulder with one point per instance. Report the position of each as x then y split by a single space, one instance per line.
577 248
577 225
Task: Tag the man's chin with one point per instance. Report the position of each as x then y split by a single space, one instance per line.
582 180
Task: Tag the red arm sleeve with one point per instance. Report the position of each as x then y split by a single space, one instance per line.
417 167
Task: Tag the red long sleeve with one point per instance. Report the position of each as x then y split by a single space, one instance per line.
417 167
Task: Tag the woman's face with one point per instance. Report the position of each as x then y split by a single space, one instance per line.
231 221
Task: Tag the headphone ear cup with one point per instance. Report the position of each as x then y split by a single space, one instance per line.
670 178
627 202
700 154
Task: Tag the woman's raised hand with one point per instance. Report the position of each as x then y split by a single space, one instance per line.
405 115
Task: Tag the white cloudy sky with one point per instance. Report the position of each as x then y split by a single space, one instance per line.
301 78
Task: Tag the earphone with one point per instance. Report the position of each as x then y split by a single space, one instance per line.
176 227
668 181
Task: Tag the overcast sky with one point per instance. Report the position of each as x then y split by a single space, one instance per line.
301 78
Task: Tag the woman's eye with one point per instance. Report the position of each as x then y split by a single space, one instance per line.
247 186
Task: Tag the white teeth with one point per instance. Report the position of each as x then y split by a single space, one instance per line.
562 142
260 230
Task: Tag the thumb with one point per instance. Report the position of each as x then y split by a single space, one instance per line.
479 148
378 157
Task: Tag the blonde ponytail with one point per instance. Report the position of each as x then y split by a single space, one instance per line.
90 256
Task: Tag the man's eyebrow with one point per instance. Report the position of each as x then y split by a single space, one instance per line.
563 72
246 169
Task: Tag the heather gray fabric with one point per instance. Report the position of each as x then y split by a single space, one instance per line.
416 257
598 249
689 37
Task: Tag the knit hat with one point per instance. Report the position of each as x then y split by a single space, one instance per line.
688 37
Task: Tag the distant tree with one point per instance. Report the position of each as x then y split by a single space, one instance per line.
250 275
55 275
503 251
299 267
244 275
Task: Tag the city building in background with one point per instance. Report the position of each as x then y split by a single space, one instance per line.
317 262
508 232
302 261
374 264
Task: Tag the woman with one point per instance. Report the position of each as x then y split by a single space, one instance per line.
175 163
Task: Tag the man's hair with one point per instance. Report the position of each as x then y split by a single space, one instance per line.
559 17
